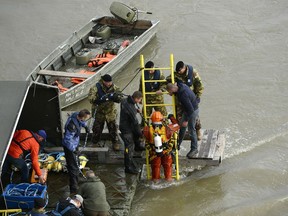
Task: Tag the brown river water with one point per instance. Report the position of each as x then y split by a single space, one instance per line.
240 49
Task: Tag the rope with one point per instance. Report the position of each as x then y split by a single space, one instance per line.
137 72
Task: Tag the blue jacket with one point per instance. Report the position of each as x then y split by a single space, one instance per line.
72 132
187 98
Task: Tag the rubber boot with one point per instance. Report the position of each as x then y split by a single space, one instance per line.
199 135
116 146
198 129
167 165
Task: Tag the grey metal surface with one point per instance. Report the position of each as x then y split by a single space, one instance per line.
12 96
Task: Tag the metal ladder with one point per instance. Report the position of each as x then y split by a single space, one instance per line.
172 104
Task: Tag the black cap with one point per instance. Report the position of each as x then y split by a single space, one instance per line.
107 78
149 64
179 66
39 203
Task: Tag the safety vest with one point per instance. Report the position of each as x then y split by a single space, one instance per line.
19 147
190 76
100 93
149 86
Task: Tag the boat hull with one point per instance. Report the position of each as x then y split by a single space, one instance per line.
142 32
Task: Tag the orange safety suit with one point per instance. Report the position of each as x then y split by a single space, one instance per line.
165 158
29 143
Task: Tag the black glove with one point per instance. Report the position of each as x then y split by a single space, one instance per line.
117 97
87 129
103 98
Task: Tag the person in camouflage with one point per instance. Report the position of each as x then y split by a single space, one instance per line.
187 74
103 97
155 87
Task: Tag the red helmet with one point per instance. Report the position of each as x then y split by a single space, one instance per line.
156 117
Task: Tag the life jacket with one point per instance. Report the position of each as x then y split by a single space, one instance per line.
60 86
25 136
100 59
100 93
79 80
190 76
149 86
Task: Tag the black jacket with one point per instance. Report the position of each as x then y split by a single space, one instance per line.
128 117
73 211
187 98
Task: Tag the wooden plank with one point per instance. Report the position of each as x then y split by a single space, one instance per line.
208 144
63 74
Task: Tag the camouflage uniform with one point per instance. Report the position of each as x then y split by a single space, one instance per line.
154 98
105 111
197 87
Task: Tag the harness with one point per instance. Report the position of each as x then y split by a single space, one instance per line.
151 86
56 211
25 152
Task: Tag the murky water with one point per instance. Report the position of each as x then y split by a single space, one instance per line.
240 49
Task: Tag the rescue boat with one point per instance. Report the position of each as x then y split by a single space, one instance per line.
103 46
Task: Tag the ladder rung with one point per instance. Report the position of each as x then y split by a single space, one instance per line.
150 81
164 68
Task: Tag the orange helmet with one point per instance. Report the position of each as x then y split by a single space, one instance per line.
156 117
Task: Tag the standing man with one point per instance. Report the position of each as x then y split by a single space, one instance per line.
188 75
103 97
189 104
130 129
24 142
70 144
155 87
93 192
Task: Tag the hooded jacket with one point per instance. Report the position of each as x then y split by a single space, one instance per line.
93 192
72 132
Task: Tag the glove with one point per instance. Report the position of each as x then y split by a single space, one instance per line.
198 100
111 96
117 97
87 129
